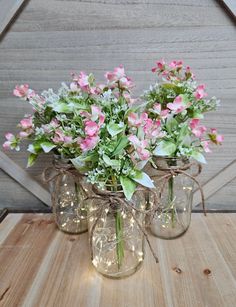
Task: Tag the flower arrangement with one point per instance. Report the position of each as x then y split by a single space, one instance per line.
93 125
179 104
109 138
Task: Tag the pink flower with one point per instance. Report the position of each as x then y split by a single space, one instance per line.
23 91
119 78
11 142
82 81
188 69
128 98
24 134
68 139
215 137
140 147
176 64
194 123
117 74
97 114
200 92
162 113
59 136
205 145
197 130
54 123
177 106
136 121
74 86
91 128
126 82
26 123
89 143
152 128
160 66
133 120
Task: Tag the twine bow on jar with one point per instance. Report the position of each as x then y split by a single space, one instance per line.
118 198
171 172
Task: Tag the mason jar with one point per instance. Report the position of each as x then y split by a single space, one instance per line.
116 240
173 214
68 194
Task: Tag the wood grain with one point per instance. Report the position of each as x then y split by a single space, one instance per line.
8 10
216 183
40 266
51 38
23 178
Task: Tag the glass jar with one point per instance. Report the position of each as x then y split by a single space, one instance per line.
68 195
173 214
116 240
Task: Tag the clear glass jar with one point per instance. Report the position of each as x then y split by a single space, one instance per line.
173 215
68 204
116 240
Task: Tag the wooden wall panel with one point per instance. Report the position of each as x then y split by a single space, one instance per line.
51 38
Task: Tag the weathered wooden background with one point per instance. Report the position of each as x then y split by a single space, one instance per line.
50 38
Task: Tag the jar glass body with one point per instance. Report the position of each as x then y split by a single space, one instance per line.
173 215
116 239
68 201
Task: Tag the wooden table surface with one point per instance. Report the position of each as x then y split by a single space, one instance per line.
41 266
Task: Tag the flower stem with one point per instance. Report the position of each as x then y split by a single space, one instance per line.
119 231
171 199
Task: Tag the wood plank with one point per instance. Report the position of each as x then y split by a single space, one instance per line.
51 268
25 247
231 6
216 183
21 176
41 15
9 8
8 225
3 214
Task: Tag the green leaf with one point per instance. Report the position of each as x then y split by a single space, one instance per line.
114 129
195 114
164 148
111 162
83 163
80 165
171 124
47 146
198 156
62 107
35 148
184 131
31 159
185 98
122 143
143 179
128 186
